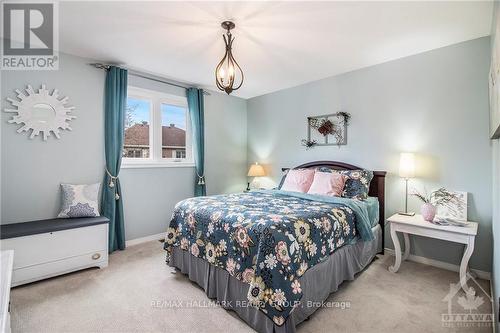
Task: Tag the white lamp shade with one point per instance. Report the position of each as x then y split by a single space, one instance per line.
407 165
256 170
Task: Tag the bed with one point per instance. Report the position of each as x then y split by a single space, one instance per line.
265 254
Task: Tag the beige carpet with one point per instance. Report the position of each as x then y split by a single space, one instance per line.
120 299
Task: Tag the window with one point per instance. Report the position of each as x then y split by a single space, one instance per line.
173 131
137 134
157 130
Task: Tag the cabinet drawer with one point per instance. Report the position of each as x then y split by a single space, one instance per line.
49 269
57 245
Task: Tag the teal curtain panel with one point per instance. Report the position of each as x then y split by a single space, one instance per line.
196 113
115 101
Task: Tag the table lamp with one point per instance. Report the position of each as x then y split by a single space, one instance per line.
407 171
256 170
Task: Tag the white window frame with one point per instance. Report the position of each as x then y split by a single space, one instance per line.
155 159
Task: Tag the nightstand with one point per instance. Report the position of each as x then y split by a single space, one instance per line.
416 225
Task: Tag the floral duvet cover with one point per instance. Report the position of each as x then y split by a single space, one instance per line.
267 239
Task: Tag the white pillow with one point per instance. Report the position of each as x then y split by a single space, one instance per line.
79 200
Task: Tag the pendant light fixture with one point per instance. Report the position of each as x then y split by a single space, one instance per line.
228 74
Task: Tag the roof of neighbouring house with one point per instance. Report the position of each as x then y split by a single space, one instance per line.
138 134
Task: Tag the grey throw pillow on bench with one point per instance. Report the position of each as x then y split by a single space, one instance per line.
79 200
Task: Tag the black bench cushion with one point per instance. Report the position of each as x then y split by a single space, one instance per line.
43 226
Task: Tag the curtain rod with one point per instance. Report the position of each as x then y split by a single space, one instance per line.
146 76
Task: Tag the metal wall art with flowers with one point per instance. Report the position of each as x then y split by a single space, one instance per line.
327 130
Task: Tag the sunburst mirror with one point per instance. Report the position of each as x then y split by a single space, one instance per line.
41 112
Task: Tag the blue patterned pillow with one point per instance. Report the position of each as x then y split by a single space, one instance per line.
357 185
79 200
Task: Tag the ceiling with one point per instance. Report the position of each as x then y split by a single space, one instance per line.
278 44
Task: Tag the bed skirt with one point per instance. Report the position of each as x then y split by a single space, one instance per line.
231 293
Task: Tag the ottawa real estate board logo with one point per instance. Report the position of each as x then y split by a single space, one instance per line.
468 311
30 38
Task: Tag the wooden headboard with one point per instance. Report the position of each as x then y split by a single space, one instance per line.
377 185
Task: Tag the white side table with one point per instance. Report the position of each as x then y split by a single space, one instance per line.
416 225
6 261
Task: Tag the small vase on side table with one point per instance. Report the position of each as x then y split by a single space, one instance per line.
428 211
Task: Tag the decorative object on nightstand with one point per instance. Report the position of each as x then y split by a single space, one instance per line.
455 209
256 170
407 171
441 197
416 225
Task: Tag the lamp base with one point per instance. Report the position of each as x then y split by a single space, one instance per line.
407 213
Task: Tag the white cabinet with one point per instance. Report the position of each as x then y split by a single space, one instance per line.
51 251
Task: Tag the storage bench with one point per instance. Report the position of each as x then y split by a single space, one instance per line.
47 248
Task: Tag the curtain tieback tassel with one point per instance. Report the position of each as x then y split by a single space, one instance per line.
201 179
111 184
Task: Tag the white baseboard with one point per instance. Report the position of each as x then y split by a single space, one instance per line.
440 264
145 239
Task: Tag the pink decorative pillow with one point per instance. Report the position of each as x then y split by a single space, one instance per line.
327 183
298 180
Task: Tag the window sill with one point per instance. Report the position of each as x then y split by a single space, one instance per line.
146 165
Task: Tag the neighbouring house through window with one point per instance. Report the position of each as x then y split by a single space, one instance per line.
173 132
157 130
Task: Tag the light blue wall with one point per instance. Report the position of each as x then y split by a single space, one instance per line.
434 103
31 170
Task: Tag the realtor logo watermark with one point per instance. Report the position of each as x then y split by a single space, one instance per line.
468 310
192 304
30 36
